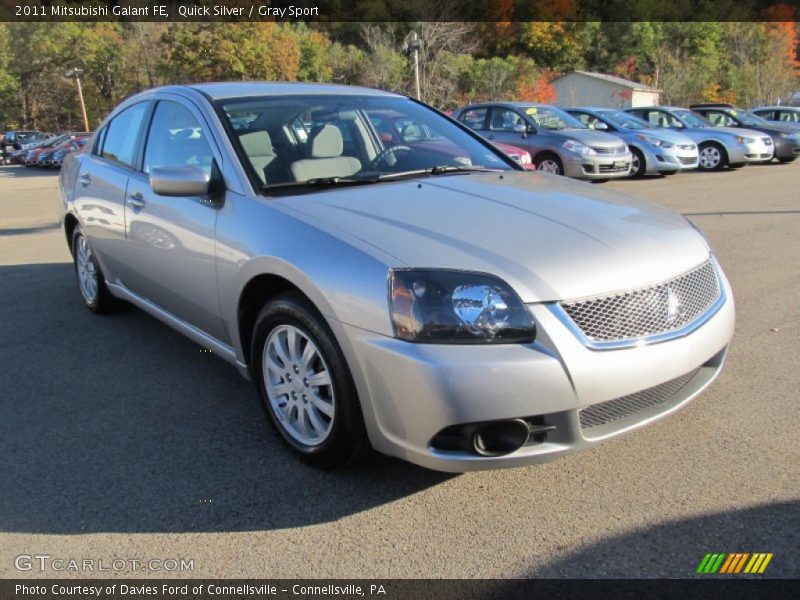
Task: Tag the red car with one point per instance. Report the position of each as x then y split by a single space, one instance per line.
394 128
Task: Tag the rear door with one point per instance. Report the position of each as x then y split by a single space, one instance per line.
102 178
170 253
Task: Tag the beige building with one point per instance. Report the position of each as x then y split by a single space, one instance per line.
581 88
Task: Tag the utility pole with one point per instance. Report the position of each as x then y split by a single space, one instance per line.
75 74
412 43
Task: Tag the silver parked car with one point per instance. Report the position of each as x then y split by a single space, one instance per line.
786 115
558 143
431 300
719 146
655 151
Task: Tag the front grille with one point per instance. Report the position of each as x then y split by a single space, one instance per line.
687 160
647 311
616 150
626 406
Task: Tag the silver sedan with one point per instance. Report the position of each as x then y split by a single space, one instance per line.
429 299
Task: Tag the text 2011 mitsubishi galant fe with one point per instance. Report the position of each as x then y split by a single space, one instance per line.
416 293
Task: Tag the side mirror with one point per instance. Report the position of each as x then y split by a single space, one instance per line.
600 126
521 128
179 181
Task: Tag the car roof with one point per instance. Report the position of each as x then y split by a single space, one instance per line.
777 107
508 104
239 89
593 108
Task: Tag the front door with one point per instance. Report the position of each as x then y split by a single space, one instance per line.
170 258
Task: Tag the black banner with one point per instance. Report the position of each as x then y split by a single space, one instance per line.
399 11
394 589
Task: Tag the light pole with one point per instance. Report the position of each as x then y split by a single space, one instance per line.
412 43
75 74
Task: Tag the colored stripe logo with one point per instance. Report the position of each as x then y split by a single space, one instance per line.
732 563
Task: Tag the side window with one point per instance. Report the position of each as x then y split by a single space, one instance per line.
790 116
176 139
504 119
474 118
121 134
589 120
720 119
769 115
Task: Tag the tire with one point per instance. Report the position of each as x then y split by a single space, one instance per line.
787 160
328 432
549 163
638 163
712 157
90 277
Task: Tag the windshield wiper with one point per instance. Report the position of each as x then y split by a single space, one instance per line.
317 182
438 170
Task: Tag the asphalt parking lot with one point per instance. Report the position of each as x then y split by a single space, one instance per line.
122 440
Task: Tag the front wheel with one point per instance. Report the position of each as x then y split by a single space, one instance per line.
787 160
638 163
712 157
305 384
549 163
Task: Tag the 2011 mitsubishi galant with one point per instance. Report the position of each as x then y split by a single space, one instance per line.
433 301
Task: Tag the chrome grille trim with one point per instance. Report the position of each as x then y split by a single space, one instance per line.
614 151
632 404
626 327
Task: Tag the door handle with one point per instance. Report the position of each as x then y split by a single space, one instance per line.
136 201
85 178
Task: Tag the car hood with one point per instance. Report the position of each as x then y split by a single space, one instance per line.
590 137
777 127
549 237
667 135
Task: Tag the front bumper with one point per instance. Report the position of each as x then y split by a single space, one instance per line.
411 392
597 166
670 160
758 151
786 149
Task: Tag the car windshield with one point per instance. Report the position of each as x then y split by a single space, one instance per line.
338 138
746 118
551 118
691 119
625 120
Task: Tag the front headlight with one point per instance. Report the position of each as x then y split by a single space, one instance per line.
577 147
654 141
456 307
745 140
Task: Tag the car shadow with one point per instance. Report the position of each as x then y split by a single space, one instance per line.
119 424
674 549
22 171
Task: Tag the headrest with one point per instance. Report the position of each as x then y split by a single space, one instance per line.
327 143
257 143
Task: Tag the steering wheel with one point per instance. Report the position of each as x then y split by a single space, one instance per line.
384 154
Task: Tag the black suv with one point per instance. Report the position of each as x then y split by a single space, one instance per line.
13 140
785 137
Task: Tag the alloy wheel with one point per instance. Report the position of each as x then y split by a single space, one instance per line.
87 271
710 157
299 385
549 165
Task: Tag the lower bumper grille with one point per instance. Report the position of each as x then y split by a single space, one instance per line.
626 406
688 160
613 169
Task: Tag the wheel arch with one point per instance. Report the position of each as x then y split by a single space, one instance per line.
70 223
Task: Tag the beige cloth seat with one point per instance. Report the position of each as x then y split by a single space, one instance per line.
326 158
257 146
